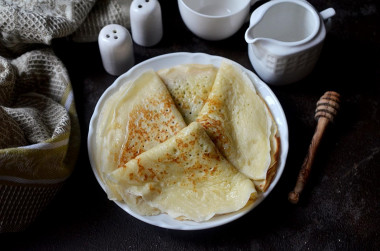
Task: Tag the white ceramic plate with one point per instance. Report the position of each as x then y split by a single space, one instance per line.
169 60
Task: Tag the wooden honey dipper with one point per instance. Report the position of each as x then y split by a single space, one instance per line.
327 108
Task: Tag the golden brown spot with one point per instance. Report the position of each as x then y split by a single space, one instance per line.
148 122
153 189
152 173
214 129
141 168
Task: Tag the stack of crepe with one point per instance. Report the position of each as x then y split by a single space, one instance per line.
191 141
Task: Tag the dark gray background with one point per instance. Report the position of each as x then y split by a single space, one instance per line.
339 209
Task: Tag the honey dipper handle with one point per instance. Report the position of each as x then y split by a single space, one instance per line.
327 108
304 173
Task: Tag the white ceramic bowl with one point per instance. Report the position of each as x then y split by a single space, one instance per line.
214 19
169 60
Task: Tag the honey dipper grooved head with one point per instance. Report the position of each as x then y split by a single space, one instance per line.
328 106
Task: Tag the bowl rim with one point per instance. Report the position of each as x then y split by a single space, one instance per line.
214 16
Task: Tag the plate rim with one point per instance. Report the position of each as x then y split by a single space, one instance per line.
188 58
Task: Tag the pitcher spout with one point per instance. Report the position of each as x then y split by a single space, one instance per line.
252 34
285 22
260 41
252 38
257 33
249 37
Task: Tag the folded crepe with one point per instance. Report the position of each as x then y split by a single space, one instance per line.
189 85
186 177
137 117
241 125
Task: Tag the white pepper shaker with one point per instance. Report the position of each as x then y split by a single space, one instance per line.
116 49
146 22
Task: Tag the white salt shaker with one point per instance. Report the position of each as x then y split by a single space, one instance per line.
146 22
116 49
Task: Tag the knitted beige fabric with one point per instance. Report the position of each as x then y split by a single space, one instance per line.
29 22
103 13
39 136
39 129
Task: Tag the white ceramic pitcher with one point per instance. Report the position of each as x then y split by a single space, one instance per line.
285 38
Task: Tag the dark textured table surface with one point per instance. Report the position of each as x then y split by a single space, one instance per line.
339 210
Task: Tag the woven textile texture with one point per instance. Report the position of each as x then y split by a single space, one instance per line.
103 13
39 21
25 22
39 136
39 140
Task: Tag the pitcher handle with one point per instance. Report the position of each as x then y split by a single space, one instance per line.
326 17
327 13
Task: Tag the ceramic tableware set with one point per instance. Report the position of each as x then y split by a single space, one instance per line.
284 37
